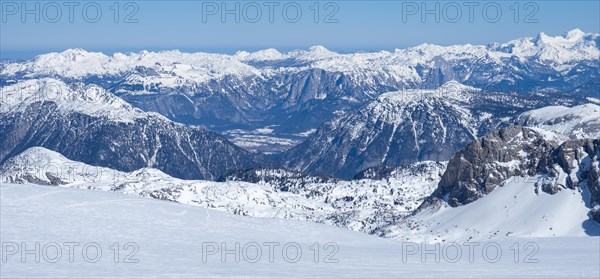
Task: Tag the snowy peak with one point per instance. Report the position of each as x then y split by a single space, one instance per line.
580 122
394 129
571 37
574 45
560 51
261 55
574 34
321 51
82 98
314 54
76 55
449 95
174 67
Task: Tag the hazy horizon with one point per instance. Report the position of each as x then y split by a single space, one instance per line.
29 54
343 26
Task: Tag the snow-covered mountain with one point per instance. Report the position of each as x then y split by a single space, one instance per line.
512 211
408 126
297 90
525 181
581 121
86 123
388 121
561 53
364 205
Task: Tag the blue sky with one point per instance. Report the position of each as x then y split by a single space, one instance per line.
352 26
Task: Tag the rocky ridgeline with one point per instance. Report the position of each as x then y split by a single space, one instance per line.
481 166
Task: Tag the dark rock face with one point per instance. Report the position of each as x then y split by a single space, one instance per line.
486 163
595 214
51 180
180 151
578 160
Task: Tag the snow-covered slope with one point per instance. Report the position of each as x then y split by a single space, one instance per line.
581 121
187 67
514 210
363 205
90 124
173 240
514 181
90 100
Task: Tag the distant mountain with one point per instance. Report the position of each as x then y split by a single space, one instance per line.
407 127
298 90
88 124
581 121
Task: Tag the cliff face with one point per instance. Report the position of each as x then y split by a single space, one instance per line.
486 163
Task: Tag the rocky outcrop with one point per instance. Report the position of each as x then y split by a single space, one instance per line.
488 162
485 163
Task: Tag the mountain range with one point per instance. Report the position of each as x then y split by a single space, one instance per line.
397 144
296 91
88 124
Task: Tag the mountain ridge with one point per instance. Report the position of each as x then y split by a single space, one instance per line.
88 124
305 87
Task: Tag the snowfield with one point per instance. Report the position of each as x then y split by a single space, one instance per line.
513 210
162 239
581 121
363 205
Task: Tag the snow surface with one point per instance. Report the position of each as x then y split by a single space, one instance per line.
581 121
361 205
170 238
513 210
